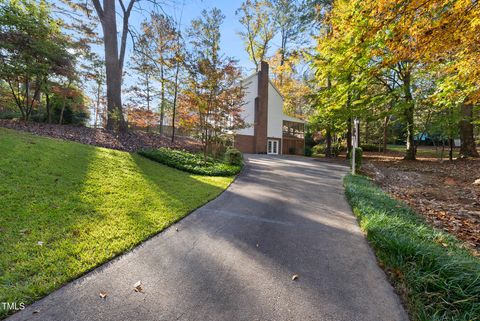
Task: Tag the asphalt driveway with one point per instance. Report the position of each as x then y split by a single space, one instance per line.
234 259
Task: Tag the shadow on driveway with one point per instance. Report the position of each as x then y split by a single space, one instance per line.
234 259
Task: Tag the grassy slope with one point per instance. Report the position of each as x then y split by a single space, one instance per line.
437 277
86 204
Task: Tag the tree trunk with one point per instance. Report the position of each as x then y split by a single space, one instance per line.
97 108
47 107
162 99
26 115
410 151
367 132
443 149
349 124
409 118
148 99
385 133
468 147
450 152
63 108
177 71
328 150
113 68
349 137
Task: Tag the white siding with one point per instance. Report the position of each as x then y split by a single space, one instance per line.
248 113
275 113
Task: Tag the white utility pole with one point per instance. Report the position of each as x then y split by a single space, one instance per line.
355 143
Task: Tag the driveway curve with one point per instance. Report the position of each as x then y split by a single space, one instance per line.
234 258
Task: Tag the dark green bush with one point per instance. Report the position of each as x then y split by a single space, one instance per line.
189 162
10 114
233 157
438 277
309 142
371 148
308 151
336 149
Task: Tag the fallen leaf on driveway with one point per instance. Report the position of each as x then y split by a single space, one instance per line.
138 287
295 277
35 311
103 294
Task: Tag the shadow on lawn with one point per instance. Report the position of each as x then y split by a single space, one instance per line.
216 270
39 183
84 204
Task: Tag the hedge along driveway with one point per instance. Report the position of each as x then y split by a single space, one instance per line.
436 275
65 208
189 162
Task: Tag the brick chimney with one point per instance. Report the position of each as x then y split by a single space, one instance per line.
261 110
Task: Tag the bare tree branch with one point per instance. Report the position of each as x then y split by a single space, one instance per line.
98 8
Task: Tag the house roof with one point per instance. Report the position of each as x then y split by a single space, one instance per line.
293 119
269 80
276 89
251 76
284 117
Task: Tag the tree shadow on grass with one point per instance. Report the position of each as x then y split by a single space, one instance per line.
84 204
39 183
234 259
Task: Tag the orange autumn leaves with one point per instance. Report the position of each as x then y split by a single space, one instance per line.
442 32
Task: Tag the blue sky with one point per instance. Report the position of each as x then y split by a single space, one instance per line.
231 43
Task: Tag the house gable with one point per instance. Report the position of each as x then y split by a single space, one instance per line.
275 112
250 85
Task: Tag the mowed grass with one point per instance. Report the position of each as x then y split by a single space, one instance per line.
438 278
86 204
426 151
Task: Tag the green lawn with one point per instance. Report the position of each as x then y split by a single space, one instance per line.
426 151
86 204
437 277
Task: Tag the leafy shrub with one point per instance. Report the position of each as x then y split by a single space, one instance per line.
337 148
439 279
10 114
318 149
309 141
192 163
371 148
233 157
308 151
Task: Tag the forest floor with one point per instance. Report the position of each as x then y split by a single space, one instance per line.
444 192
132 141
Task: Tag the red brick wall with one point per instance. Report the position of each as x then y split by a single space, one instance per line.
245 143
261 111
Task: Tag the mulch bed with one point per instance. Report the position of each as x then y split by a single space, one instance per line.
443 192
129 142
